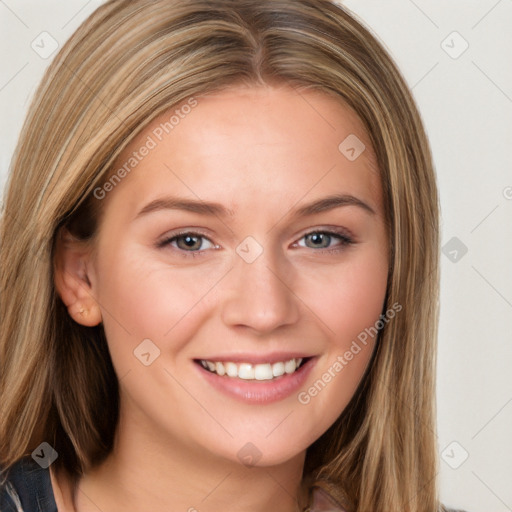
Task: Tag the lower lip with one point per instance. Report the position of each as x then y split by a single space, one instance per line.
259 391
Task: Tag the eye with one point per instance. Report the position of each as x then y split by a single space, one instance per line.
188 241
323 239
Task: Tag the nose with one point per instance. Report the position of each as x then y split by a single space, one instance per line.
259 295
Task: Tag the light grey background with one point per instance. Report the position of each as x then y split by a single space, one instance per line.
466 102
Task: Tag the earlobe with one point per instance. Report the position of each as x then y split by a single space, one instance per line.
84 316
72 268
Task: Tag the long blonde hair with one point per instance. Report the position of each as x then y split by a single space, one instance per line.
130 61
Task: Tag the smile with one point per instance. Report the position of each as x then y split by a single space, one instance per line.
249 371
257 379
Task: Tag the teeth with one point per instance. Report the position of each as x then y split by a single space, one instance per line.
263 372
245 371
278 369
219 368
248 371
290 366
231 369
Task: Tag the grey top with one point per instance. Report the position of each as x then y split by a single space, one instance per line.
27 487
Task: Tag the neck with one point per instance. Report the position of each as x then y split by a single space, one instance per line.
148 474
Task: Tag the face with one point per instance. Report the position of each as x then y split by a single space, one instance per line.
237 263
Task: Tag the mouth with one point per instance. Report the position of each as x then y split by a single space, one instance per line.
257 379
249 371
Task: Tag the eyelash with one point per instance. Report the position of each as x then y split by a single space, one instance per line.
341 236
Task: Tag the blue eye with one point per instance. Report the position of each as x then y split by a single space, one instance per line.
193 244
323 239
188 242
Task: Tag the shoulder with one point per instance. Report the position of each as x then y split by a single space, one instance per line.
324 502
446 509
26 487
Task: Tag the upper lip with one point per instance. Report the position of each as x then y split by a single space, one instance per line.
274 357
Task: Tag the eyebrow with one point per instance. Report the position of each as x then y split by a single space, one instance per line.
209 208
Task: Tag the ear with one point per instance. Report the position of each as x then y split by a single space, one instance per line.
72 269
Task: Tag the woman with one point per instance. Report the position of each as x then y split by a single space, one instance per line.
178 352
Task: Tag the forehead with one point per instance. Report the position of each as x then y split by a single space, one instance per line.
230 144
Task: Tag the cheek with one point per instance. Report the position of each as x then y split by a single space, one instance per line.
349 302
143 299
348 297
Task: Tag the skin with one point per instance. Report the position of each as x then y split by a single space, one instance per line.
262 152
